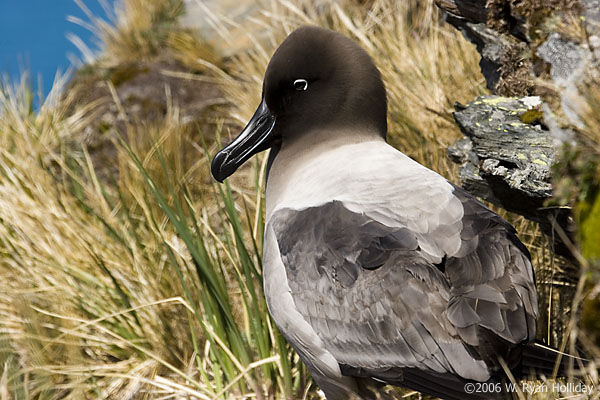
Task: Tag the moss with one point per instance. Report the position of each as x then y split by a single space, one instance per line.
531 116
576 177
498 11
515 71
588 216
537 11
104 127
590 318
125 72
528 23
576 172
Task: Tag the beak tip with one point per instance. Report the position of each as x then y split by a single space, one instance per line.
216 166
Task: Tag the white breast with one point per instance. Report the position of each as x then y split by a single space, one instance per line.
375 179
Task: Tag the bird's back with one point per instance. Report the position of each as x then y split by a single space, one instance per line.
393 268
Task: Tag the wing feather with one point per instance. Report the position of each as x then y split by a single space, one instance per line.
372 294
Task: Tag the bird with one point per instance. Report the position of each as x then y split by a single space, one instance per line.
376 269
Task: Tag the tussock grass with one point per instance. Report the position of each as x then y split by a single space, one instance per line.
147 284
137 30
122 289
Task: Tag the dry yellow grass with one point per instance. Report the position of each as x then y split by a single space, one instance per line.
104 291
81 287
137 29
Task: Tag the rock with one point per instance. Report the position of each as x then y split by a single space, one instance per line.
523 40
506 157
551 49
503 61
564 57
223 23
504 148
145 89
523 43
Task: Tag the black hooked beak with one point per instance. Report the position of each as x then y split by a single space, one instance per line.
256 137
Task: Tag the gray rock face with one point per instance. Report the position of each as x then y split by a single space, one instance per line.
502 50
507 153
568 63
564 56
517 40
506 157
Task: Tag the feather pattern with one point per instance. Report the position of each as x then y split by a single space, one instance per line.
362 272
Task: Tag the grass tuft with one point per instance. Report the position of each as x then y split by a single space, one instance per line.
145 281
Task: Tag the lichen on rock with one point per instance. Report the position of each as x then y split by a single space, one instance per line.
507 153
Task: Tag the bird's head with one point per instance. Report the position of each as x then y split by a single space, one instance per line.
318 80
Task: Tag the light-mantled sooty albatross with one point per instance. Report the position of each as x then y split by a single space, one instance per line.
377 269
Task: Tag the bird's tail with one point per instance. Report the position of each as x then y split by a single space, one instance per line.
538 359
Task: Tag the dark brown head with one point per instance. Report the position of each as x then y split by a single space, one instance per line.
318 80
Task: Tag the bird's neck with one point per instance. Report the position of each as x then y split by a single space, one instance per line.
290 158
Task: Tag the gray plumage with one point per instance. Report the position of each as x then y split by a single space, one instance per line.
376 269
379 305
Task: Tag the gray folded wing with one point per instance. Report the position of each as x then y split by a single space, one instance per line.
494 301
378 304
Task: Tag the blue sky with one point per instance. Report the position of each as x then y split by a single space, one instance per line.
33 36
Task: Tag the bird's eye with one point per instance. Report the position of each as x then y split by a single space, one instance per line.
300 84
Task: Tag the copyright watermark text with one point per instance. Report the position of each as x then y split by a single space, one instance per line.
528 387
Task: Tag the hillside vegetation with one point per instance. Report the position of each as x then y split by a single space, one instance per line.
126 271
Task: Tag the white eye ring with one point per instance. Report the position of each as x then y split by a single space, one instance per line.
300 84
